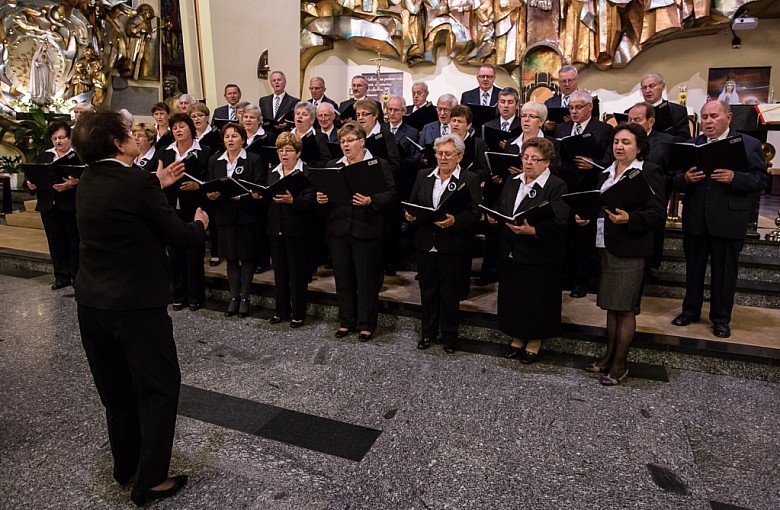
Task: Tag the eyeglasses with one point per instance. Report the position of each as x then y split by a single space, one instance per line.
58 138
347 141
445 155
286 150
196 116
570 80
529 116
577 107
532 159
316 88
360 115
443 110
485 76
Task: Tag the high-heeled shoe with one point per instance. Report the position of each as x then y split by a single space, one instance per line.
514 352
232 308
243 309
142 496
296 323
365 336
608 380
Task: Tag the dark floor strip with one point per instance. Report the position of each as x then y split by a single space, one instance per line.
725 506
18 272
351 442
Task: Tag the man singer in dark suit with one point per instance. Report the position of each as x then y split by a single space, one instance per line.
715 218
276 106
122 292
652 86
487 93
228 112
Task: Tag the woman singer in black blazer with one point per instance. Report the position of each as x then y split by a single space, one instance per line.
355 233
444 247
531 255
185 196
237 216
291 225
624 240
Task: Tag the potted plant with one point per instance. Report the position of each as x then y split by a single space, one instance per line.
12 165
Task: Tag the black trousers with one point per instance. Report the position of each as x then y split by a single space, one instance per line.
444 281
132 356
580 252
291 257
723 255
189 279
62 236
357 268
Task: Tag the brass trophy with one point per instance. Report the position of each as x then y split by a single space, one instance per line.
384 96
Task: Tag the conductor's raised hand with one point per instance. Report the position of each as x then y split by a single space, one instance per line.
170 173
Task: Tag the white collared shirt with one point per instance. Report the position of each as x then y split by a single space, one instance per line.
375 130
366 157
583 124
106 160
611 181
157 132
310 130
509 121
56 157
251 139
526 188
231 167
146 157
173 147
520 139
207 131
723 136
298 166
328 132
439 186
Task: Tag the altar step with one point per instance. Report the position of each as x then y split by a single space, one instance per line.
28 218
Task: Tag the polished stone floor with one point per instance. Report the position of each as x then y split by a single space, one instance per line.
274 418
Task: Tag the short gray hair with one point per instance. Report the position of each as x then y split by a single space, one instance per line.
241 105
187 97
305 105
509 91
658 77
581 95
403 101
568 69
327 106
421 84
250 108
454 139
538 108
449 98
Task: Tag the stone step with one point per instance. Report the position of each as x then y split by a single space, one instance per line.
24 219
764 294
767 273
29 205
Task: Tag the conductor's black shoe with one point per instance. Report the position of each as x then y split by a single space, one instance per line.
721 330
684 320
579 291
514 353
424 343
142 496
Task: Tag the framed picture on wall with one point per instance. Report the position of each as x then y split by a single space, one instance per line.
739 85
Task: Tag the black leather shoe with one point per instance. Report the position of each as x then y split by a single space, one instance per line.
178 307
59 285
514 353
194 307
684 320
449 347
232 308
261 269
578 292
341 333
528 357
243 308
296 324
424 343
215 261
275 320
365 337
143 496
721 330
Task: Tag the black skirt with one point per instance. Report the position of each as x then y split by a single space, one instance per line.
529 300
237 242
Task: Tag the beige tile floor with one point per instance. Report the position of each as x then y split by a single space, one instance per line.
750 326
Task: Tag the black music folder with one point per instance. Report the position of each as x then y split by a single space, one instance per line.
227 187
493 137
482 115
581 145
331 182
728 153
335 150
629 193
499 163
269 155
219 123
663 117
377 147
557 114
348 113
365 177
428 152
421 117
535 215
294 182
585 204
310 149
70 170
453 204
620 118
41 174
